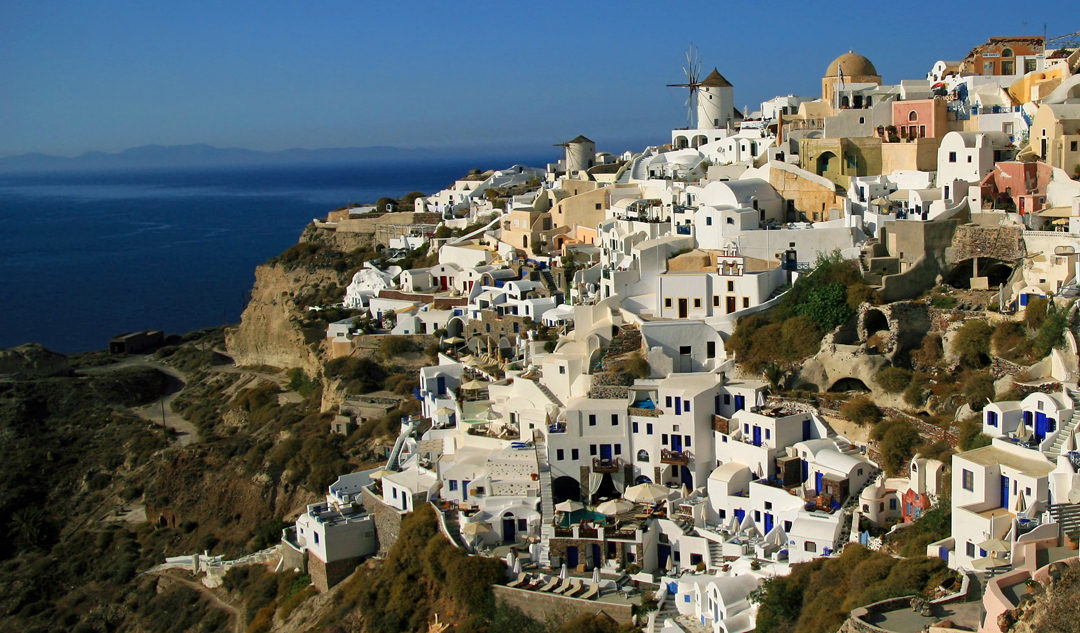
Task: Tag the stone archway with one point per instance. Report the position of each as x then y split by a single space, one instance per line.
848 384
565 489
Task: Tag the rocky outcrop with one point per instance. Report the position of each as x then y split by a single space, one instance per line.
31 361
270 331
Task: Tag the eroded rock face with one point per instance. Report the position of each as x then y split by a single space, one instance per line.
31 361
270 332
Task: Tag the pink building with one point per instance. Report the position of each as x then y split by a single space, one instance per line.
920 118
1021 184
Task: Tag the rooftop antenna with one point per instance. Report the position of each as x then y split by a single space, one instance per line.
692 70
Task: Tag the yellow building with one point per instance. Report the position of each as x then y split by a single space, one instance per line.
1055 136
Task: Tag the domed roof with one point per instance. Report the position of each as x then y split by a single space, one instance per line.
853 64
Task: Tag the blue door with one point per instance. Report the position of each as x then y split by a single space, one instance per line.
571 557
1023 299
440 384
817 482
1040 427
768 522
740 403
676 443
943 553
1004 492
597 556
757 436
605 452
509 535
805 471
662 554
740 515
465 490
687 477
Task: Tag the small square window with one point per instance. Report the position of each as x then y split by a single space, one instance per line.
592 419
667 302
559 454
675 427
648 428
708 221
697 302
667 400
635 427
574 454
968 480
686 441
592 449
686 406
746 302
684 350
618 449
716 301
562 369
663 438
952 157
453 485
731 286
614 419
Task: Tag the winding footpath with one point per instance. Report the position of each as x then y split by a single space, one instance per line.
216 601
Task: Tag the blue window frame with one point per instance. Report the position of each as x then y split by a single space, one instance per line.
991 418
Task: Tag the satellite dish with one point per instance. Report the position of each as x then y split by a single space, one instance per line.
1074 495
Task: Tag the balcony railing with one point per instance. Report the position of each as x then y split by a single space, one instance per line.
606 465
647 413
681 458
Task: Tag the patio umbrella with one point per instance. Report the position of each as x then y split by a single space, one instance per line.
982 564
596 575
569 506
453 340
444 411
382 472
510 558
1023 433
615 506
562 572
761 398
1021 502
474 385
732 524
646 493
994 545
476 528
517 566
468 358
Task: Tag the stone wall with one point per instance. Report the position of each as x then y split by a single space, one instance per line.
855 623
555 609
998 242
326 575
387 521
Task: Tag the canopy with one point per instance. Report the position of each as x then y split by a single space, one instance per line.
646 493
569 506
453 339
382 472
444 411
474 385
994 545
616 506
1055 212
476 528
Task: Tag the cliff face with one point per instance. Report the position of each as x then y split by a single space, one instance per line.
270 331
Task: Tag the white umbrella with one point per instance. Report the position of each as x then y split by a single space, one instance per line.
994 545
382 472
444 411
569 506
474 385
562 572
615 506
646 493
596 574
476 528
761 398
732 524
517 566
510 558
454 339
1021 502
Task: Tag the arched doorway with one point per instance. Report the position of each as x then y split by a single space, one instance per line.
828 165
565 489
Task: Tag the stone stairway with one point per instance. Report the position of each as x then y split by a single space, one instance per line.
716 555
1055 449
848 509
549 281
453 528
547 393
547 502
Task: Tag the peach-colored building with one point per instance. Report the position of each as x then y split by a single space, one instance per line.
999 56
1024 184
921 118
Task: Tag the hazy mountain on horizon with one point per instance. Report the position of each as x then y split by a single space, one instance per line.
203 155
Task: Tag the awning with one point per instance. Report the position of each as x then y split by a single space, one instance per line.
1055 212
900 195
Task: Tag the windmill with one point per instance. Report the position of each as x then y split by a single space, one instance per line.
692 70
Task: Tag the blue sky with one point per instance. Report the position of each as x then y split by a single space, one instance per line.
108 75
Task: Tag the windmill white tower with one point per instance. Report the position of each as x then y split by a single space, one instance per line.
715 102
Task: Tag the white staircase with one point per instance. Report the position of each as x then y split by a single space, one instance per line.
394 460
547 502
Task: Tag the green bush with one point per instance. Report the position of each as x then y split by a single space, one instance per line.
972 344
1051 334
861 411
1035 312
636 366
893 379
930 352
943 302
898 442
393 346
971 435
915 393
978 388
1010 341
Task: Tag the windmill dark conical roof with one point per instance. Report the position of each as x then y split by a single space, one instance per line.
715 80
581 139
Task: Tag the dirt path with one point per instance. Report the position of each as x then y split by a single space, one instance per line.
234 613
160 411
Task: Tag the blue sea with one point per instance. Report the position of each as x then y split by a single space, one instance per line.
88 255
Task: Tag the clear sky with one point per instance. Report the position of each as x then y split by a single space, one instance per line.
109 74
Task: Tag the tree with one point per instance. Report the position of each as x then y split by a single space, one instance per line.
978 389
972 344
827 306
382 203
898 444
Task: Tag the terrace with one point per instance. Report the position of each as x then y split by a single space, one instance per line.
680 458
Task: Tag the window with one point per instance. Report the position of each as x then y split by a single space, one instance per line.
952 157
892 503
686 441
667 399
684 350
618 449
516 327
708 221
663 438
394 490
768 505
969 159
968 480
643 455
599 206
810 546
731 286
716 301
592 449
913 116
697 302
316 538
746 302
757 515
592 419
574 455
1072 146
453 485
489 327
991 418
686 406
562 369
731 221
559 454
648 428
768 433
971 549
675 427
614 419
727 398
667 302
710 349
635 427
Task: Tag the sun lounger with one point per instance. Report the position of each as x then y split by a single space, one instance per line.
591 593
550 585
520 580
578 587
566 584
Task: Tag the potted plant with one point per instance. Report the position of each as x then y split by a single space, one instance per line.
1031 585
1072 539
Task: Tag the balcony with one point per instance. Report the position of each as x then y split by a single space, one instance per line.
680 458
559 427
606 465
645 413
720 424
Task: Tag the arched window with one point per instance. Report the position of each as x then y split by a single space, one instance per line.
1007 52
643 455
913 116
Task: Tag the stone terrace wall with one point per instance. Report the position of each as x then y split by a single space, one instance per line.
387 521
998 242
556 609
